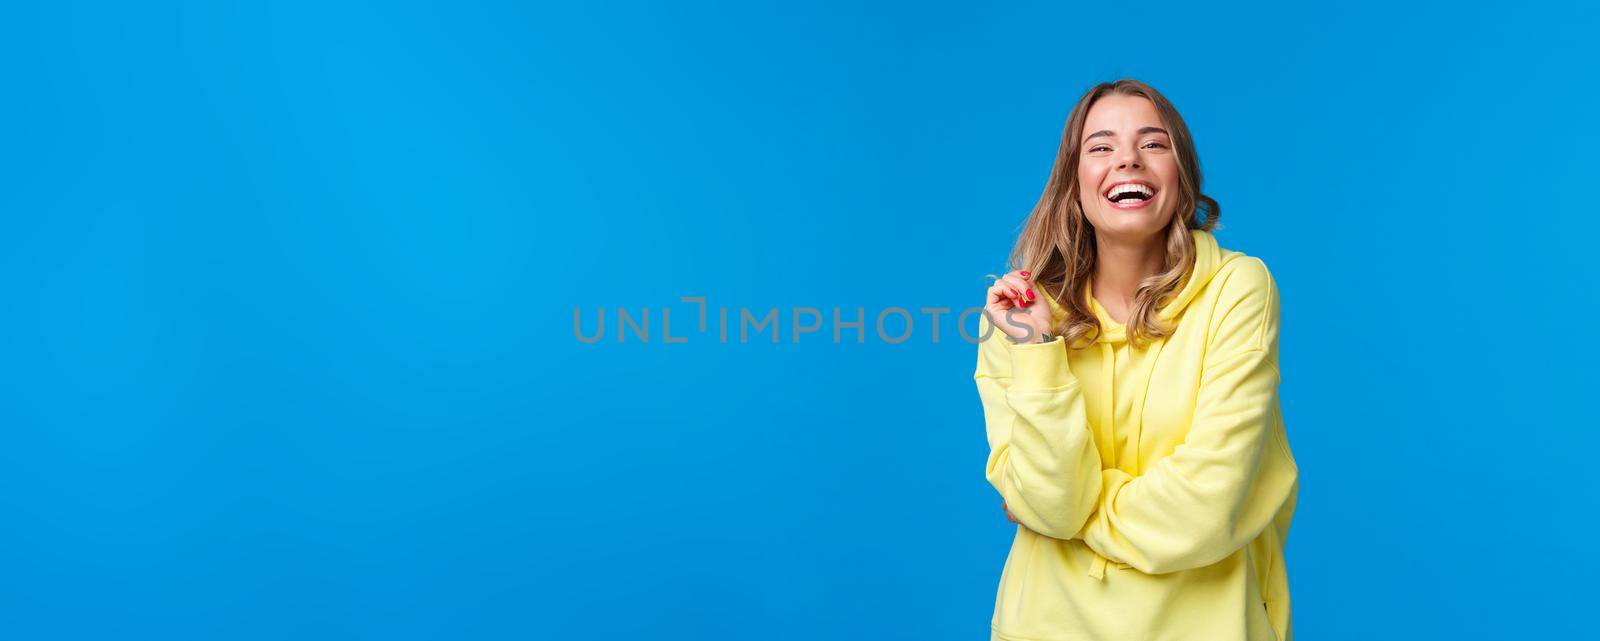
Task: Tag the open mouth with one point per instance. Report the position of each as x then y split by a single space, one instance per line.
1130 195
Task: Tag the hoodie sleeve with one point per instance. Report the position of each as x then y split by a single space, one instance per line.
1042 458
1209 497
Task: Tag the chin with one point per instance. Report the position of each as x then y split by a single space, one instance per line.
1132 224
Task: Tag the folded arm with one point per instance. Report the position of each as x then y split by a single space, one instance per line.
1218 489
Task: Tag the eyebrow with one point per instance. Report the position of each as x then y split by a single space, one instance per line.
1142 130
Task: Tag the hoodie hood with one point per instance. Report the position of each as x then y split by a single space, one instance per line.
1209 258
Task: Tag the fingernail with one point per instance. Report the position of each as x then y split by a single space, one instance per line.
1030 294
1025 274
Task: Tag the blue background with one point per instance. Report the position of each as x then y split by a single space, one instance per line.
289 288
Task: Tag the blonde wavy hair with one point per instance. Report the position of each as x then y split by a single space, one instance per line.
1057 242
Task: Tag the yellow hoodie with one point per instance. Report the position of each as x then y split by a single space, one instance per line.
1154 487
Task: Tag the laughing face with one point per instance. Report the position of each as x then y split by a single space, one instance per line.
1127 172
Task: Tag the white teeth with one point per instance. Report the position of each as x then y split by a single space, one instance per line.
1127 187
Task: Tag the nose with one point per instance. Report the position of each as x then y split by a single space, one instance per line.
1128 158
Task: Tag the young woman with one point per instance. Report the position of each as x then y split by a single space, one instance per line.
1129 375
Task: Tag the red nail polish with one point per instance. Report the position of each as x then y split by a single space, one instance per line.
1030 294
1025 274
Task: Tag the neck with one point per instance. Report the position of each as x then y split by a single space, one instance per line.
1120 264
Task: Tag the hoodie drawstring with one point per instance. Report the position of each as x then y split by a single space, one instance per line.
1108 426
1138 429
1108 418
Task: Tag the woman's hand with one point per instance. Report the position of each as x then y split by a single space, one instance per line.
1016 309
1009 515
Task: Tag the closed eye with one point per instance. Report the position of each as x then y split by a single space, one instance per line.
1105 148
